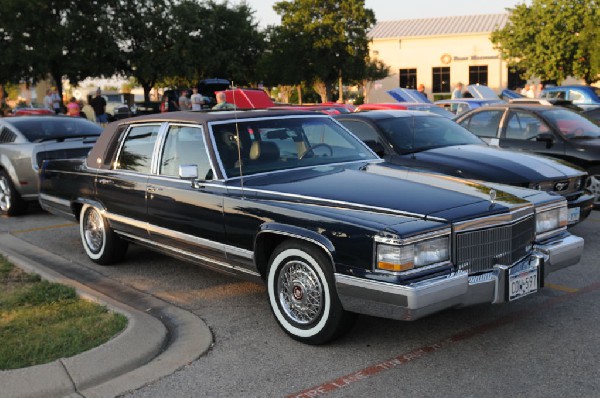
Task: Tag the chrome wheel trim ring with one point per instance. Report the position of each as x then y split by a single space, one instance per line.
593 185
300 293
5 199
93 228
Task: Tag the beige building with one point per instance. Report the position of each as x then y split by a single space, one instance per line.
439 53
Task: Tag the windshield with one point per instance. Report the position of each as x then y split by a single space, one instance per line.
416 133
284 143
571 124
50 128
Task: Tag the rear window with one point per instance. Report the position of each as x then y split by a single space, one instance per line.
55 128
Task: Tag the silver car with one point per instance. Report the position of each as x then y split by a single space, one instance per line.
25 142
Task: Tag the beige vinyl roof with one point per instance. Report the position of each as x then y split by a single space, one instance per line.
438 26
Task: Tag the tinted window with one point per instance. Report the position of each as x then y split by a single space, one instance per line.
136 152
571 124
524 126
409 134
52 128
484 124
184 145
257 146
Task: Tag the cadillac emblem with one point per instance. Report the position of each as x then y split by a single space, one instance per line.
493 196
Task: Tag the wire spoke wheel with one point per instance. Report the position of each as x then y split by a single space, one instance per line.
300 292
94 233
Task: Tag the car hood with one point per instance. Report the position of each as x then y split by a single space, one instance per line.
384 188
493 164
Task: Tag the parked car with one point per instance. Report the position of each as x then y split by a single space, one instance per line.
413 106
118 105
548 101
547 130
593 114
25 142
295 200
431 143
475 97
33 109
585 97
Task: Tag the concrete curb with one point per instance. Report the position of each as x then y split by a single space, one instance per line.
127 362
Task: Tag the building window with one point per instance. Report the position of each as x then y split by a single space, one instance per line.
441 80
478 75
408 78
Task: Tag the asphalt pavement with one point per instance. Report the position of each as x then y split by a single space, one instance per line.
159 339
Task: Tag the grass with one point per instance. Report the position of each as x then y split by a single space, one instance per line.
42 321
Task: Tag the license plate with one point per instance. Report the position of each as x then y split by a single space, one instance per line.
573 215
521 284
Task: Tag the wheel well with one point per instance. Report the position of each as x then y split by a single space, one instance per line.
76 207
267 242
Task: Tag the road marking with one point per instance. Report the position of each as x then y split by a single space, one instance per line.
23 231
363 374
561 288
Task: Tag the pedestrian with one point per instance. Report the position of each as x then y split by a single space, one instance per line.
167 104
529 91
184 102
197 100
222 103
457 93
48 100
98 103
73 108
540 88
421 89
56 101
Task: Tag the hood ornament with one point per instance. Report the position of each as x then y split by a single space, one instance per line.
493 196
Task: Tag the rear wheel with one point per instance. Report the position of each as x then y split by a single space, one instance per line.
593 184
11 203
100 242
302 294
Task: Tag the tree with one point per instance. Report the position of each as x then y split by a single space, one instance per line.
553 39
374 70
332 36
59 38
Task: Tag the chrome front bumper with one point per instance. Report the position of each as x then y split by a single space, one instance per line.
458 289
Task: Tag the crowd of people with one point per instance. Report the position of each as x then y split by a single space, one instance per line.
194 102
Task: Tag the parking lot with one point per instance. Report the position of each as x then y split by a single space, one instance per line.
541 345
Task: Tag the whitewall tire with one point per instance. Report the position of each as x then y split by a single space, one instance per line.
99 241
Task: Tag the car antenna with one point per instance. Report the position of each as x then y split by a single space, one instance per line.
237 139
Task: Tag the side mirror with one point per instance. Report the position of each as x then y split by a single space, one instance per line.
188 172
548 138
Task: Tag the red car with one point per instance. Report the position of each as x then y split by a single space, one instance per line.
24 111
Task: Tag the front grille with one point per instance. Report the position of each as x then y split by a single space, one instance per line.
70 153
478 251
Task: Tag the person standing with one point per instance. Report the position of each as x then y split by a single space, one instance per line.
73 108
457 93
197 100
538 92
222 103
421 89
98 103
184 102
56 102
48 100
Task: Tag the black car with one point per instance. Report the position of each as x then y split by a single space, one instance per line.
428 142
547 130
296 201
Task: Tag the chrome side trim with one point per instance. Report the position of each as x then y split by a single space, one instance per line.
182 236
496 220
227 266
55 199
353 206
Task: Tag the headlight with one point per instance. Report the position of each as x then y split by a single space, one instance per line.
413 255
549 220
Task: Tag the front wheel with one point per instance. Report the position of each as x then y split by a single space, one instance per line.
100 242
302 294
593 184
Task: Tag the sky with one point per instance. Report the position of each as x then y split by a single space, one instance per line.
386 10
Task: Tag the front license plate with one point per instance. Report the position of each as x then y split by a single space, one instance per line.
573 214
522 284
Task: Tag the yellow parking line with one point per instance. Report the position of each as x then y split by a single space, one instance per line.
561 288
23 231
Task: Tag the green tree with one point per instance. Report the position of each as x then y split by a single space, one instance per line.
553 39
332 35
59 38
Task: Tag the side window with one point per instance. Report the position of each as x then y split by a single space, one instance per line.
184 145
524 126
366 133
575 96
484 124
137 149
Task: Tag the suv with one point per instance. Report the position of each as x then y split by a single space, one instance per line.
585 97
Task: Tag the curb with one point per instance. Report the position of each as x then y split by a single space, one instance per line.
159 339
